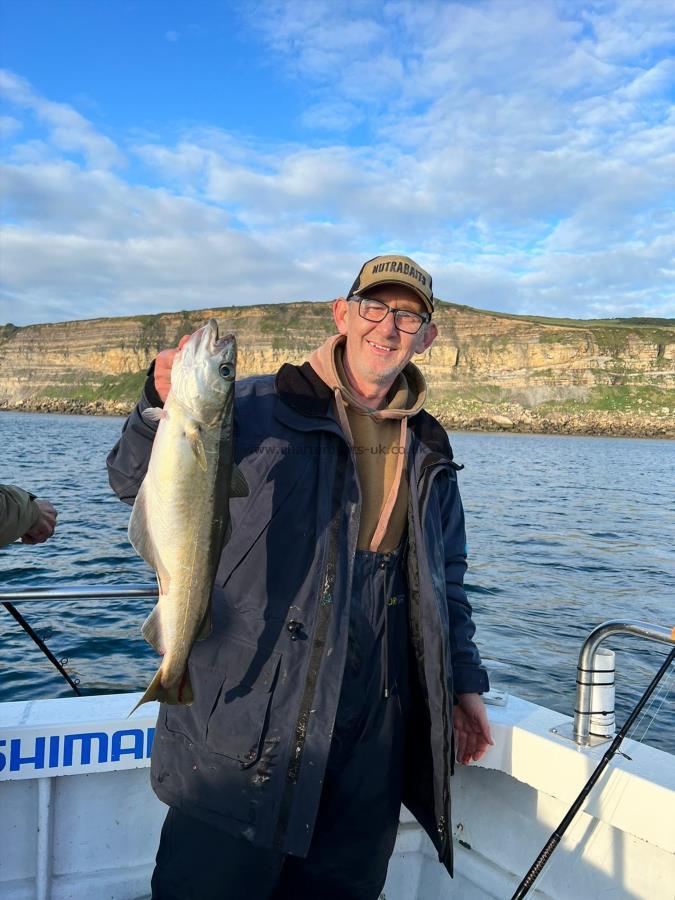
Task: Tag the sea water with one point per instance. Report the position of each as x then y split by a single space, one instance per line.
563 533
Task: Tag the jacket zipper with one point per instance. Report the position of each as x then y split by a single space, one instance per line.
325 608
442 824
385 594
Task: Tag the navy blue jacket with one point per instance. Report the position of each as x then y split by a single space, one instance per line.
249 754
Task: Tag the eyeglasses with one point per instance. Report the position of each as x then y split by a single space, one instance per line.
404 319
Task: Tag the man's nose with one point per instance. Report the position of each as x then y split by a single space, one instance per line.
388 324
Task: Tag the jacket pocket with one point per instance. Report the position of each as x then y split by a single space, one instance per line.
238 721
231 706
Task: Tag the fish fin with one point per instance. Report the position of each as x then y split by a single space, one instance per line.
178 694
151 630
205 627
153 414
193 434
239 486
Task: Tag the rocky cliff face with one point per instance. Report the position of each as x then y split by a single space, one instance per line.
482 365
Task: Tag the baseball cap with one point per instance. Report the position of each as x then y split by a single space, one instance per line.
395 270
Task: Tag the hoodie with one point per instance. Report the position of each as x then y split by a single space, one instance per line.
378 439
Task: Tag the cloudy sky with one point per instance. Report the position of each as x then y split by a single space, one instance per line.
160 155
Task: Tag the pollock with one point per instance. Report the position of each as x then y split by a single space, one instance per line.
180 520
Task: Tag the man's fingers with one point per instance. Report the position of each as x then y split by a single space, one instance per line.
163 365
479 750
460 742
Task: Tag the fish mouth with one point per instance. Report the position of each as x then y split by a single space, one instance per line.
216 341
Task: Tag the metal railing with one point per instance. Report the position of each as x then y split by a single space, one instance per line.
79 592
586 667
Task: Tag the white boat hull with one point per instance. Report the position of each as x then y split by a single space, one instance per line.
79 819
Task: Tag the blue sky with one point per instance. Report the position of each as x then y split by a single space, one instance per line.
165 155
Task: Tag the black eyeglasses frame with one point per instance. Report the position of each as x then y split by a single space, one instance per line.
424 317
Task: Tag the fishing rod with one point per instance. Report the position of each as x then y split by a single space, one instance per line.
13 611
539 863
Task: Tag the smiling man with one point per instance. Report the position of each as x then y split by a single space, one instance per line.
341 667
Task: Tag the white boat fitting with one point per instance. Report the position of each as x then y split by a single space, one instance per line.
80 820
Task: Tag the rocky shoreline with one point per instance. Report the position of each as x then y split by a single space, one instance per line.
520 420
69 407
503 417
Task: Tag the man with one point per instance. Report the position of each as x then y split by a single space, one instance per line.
341 649
23 516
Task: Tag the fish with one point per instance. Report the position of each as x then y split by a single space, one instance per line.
180 520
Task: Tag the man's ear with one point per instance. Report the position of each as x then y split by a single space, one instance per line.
426 337
340 312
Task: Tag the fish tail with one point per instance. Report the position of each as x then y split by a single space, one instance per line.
180 693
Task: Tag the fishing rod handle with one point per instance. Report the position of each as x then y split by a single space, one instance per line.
535 870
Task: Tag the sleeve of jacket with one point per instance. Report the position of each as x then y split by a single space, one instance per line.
468 674
18 513
128 460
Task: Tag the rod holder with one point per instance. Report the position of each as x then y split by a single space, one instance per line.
586 710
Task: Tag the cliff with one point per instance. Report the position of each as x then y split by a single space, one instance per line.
486 370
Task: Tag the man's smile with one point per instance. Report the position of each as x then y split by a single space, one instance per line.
380 347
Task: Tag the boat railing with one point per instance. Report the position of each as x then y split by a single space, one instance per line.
594 708
587 666
595 668
79 592
76 593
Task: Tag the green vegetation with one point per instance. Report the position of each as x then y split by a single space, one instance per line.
297 326
124 387
622 399
552 320
152 338
7 331
615 398
187 323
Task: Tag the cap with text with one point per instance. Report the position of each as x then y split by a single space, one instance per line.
395 270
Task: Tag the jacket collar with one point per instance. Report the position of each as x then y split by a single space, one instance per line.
306 398
304 402
301 388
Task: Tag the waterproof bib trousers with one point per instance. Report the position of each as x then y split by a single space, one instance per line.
358 815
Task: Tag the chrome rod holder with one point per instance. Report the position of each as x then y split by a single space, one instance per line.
580 730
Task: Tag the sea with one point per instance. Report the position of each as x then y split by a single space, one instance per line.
563 533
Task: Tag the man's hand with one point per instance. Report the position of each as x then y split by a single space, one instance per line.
163 364
45 525
472 730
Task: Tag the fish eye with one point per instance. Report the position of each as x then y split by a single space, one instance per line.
226 371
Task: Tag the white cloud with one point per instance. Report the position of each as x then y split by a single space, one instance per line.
69 131
330 116
525 153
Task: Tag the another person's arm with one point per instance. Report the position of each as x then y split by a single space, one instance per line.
24 516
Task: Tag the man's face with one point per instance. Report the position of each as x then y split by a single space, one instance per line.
376 352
